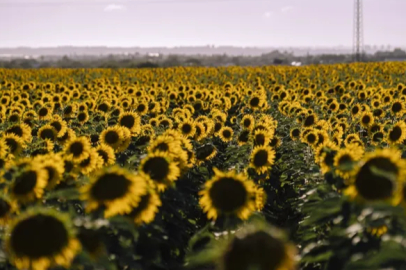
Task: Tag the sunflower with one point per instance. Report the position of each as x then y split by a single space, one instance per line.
21 130
170 145
295 134
309 120
200 133
28 183
116 189
82 117
366 119
397 134
78 149
378 177
44 113
160 170
130 120
148 207
260 198
226 134
47 132
243 137
345 162
68 136
310 137
7 208
59 125
257 247
141 108
187 128
205 153
107 154
262 137
262 158
228 193
256 102
53 164
356 110
41 238
116 137
248 122
397 107
91 163
14 143
326 154
377 138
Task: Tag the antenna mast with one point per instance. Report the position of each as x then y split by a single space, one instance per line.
358 46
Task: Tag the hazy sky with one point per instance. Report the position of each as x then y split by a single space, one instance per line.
197 22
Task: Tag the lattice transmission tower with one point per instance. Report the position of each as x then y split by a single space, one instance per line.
358 46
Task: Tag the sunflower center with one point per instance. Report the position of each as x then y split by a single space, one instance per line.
68 110
254 102
396 107
395 134
76 148
43 112
162 147
4 208
311 138
247 123
82 116
228 194
296 132
157 168
329 157
128 121
51 173
103 107
374 185
110 186
141 108
186 128
255 251
378 136
112 137
39 236
309 121
25 183
261 158
47 134
217 126
226 134
259 139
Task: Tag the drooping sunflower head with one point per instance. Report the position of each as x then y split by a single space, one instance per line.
78 148
258 247
114 188
41 238
160 169
262 158
228 193
379 177
205 153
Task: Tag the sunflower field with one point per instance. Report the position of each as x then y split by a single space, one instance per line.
237 168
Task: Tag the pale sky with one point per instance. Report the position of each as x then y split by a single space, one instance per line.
125 23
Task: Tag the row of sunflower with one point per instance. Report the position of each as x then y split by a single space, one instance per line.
101 170
196 167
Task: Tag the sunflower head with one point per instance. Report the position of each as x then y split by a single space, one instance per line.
41 238
160 169
146 210
378 177
258 247
228 193
226 134
78 148
262 158
132 121
115 189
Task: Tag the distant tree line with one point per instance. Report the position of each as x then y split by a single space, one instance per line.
146 61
